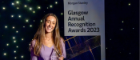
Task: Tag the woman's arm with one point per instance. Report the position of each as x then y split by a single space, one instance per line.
33 57
63 48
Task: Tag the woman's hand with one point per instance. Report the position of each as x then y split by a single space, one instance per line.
61 58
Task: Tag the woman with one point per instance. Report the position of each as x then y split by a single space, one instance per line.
47 43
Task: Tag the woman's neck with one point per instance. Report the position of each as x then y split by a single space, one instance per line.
48 36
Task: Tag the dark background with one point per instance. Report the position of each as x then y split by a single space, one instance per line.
121 27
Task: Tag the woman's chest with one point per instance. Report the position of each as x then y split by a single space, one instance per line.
48 53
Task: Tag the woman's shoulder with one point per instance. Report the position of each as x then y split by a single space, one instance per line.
62 39
33 42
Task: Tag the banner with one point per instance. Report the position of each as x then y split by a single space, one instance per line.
85 18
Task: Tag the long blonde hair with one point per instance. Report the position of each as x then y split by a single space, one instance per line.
40 34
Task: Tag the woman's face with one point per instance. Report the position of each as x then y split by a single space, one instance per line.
50 24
